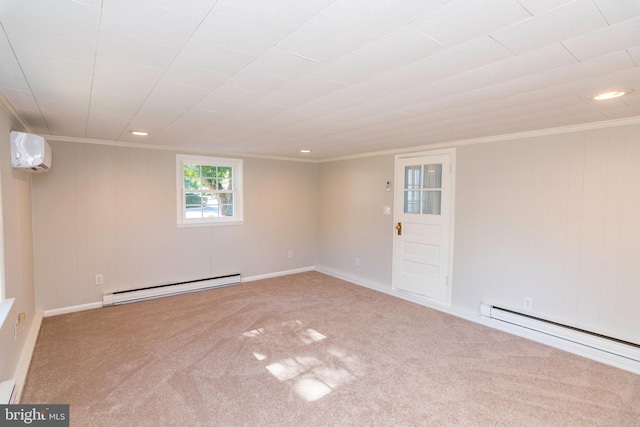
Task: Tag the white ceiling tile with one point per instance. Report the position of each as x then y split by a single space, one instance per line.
396 49
537 7
609 39
290 13
629 79
226 99
152 119
20 99
472 54
618 10
71 18
334 102
570 20
495 14
27 42
166 137
118 47
591 67
115 69
634 53
349 69
546 58
11 75
199 53
376 18
186 75
251 80
146 22
231 27
196 9
195 120
177 96
283 65
322 39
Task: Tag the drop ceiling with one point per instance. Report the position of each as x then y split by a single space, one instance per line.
338 77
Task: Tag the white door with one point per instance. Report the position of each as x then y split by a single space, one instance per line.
423 219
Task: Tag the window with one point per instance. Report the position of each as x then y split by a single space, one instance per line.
423 195
209 190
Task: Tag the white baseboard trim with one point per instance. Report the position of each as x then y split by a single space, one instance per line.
25 357
72 309
277 274
552 341
92 305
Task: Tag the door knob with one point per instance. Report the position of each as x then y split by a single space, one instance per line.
399 228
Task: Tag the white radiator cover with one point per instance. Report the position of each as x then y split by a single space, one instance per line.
613 346
124 297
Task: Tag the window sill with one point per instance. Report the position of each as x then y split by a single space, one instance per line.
5 309
209 224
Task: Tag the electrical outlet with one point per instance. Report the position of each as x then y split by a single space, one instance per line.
528 304
290 254
357 262
99 280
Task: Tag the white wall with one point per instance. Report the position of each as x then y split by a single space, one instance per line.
112 210
18 253
351 223
554 218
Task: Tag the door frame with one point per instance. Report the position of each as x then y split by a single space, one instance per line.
452 153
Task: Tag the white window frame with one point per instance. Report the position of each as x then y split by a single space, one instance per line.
238 204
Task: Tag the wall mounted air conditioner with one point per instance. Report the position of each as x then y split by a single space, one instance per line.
29 151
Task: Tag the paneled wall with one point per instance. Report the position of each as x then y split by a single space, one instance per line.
112 211
554 218
18 253
351 222
557 219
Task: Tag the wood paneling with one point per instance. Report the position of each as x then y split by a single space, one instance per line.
111 210
554 218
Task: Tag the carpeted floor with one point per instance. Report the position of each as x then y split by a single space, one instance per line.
311 350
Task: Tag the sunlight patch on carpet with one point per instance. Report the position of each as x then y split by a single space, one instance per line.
311 375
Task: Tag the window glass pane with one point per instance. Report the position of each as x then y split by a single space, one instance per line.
412 177
193 199
208 184
191 170
224 184
209 171
433 176
431 202
192 183
226 204
412 202
225 172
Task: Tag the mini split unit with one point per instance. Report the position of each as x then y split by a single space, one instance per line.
30 152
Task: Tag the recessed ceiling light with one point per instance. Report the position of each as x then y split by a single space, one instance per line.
138 133
305 151
610 95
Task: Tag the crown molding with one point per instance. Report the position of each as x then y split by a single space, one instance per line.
438 145
13 114
173 148
496 138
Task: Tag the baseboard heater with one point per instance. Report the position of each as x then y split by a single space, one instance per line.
594 340
133 295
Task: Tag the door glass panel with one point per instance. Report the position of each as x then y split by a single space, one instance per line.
431 202
412 202
433 176
412 177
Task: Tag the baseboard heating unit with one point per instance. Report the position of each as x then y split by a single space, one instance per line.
133 295
613 346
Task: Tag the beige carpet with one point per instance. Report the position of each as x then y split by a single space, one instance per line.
311 350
